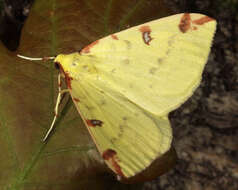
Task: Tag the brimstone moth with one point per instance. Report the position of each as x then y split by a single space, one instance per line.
124 86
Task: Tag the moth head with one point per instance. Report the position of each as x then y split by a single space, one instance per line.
64 62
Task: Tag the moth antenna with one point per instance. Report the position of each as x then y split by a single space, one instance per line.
56 110
36 58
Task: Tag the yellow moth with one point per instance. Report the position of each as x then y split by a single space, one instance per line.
124 86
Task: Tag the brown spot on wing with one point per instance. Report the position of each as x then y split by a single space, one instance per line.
114 37
108 154
94 123
111 156
185 23
203 20
145 30
87 48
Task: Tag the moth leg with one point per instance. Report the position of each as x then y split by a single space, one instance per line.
56 111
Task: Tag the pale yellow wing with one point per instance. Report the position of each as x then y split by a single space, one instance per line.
128 137
124 85
157 65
